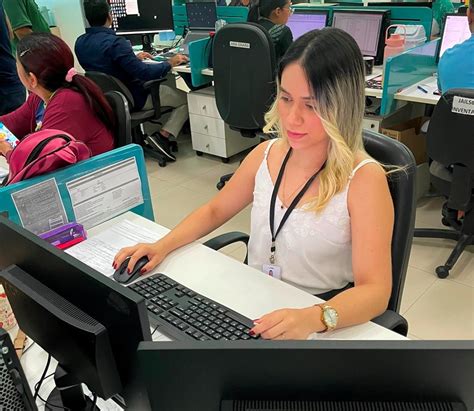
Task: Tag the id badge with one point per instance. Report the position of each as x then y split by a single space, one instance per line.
272 270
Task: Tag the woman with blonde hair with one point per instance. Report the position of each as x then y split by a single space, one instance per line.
322 214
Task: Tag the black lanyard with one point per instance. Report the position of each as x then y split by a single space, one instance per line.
292 206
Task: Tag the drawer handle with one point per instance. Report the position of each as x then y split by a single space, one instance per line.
207 145
204 107
206 127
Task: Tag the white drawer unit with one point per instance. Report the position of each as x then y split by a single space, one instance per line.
209 133
371 123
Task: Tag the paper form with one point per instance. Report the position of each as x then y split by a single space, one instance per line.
101 195
40 207
99 252
131 6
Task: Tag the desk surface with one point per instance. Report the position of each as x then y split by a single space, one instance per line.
223 279
415 95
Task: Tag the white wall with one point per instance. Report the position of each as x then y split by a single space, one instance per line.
69 18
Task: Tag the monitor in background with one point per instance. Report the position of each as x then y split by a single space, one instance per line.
201 15
142 17
309 375
121 311
456 30
367 27
303 21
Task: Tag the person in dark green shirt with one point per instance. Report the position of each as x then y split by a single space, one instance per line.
25 18
272 15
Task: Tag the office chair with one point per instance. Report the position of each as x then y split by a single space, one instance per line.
402 189
450 145
123 123
109 83
244 90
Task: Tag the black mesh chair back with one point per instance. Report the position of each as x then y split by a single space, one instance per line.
244 76
450 142
107 83
402 188
123 124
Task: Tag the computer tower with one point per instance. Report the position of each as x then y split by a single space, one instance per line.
15 394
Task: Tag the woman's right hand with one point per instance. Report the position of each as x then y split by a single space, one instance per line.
155 252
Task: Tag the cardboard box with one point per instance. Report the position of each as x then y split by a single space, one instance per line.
408 133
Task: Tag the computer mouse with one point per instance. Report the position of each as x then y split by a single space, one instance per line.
123 277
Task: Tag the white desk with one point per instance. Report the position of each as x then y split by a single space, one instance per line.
220 278
415 95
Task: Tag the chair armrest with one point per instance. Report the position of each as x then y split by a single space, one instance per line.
393 321
226 239
154 87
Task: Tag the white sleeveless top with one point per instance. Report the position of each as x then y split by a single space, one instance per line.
314 250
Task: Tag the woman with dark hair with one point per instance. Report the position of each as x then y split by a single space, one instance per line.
272 15
329 204
59 98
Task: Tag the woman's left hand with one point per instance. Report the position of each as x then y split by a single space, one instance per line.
4 147
289 324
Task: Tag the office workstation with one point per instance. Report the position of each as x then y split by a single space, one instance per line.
180 335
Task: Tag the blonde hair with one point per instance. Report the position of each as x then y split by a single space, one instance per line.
340 103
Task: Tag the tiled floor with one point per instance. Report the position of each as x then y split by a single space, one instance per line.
435 308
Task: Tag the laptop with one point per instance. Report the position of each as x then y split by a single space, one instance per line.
201 19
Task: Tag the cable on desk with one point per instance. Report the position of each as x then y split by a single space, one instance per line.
94 401
153 332
43 375
27 348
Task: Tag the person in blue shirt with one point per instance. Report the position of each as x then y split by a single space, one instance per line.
456 66
12 92
100 49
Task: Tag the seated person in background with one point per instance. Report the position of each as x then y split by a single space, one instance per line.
12 92
59 98
319 175
99 49
456 66
273 15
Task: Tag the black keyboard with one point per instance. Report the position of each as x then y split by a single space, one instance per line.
182 314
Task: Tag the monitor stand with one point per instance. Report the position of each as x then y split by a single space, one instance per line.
68 393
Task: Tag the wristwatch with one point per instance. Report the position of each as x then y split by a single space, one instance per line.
329 317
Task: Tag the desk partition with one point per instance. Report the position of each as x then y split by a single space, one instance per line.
89 192
199 53
406 69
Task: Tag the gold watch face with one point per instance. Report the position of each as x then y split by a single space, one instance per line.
330 317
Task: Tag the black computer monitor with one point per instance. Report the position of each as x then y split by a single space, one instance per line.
273 375
201 15
455 31
303 21
367 27
121 311
141 17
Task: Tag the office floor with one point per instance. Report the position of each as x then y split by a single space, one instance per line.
434 308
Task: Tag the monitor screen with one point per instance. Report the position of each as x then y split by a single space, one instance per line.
201 15
141 15
363 27
303 21
456 30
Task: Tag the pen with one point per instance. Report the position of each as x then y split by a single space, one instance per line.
422 89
